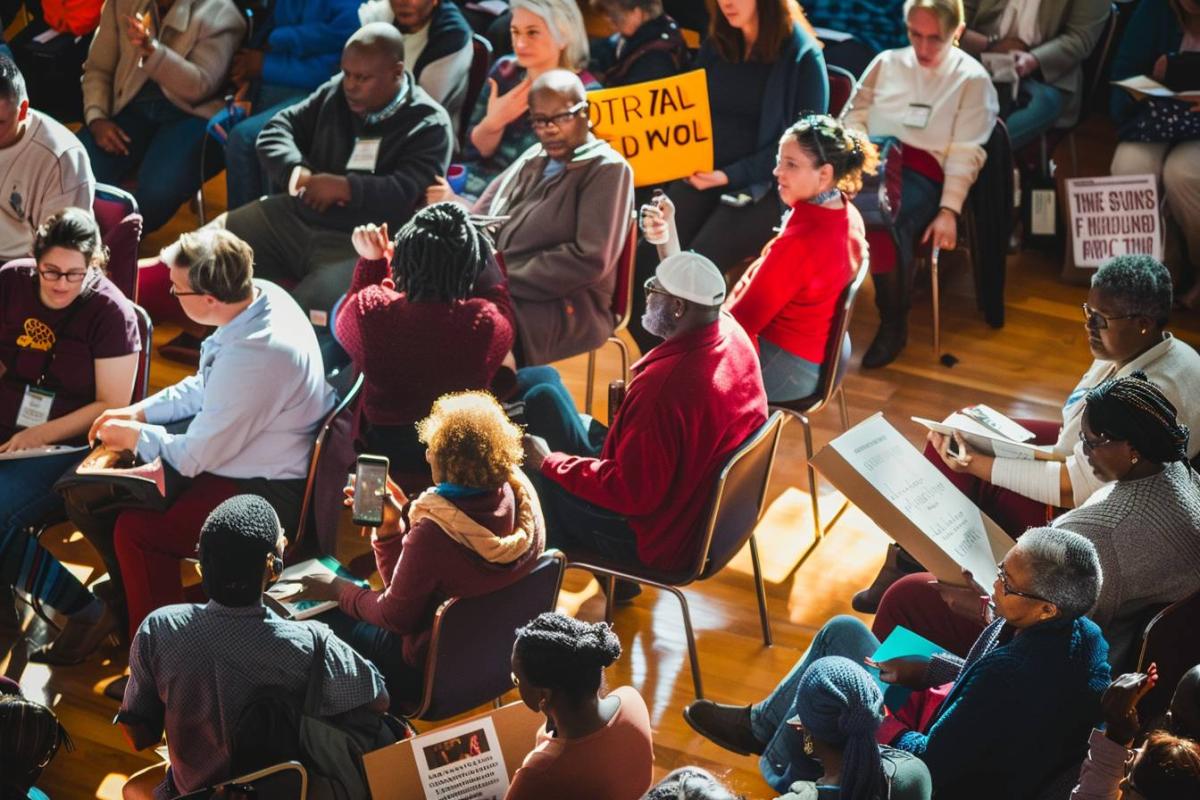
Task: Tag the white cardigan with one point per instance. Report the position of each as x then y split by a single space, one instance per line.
1173 366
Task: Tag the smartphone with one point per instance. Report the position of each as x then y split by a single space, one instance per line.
952 447
370 489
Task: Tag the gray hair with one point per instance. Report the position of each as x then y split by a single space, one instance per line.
1064 568
690 783
219 264
1138 285
565 22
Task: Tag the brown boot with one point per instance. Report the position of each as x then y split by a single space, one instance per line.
727 726
897 564
85 631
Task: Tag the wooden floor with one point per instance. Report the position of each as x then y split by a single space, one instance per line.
1025 369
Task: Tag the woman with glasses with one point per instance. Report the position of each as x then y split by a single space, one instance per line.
1145 523
1125 321
788 298
68 351
1037 670
595 745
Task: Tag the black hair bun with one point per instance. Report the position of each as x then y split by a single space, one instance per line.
596 643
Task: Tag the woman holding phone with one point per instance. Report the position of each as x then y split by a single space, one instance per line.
478 530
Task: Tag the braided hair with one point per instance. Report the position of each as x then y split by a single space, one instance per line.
839 704
563 653
439 254
30 735
1132 409
828 141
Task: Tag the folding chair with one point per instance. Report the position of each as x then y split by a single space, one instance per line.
120 223
1170 641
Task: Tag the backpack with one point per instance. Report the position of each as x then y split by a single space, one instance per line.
274 727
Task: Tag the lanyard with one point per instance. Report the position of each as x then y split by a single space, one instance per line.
48 361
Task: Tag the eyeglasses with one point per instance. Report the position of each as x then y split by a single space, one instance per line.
176 293
54 276
1094 319
652 288
1091 444
557 120
1007 587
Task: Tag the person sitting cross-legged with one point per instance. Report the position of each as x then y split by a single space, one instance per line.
359 149
638 495
1039 666
194 668
254 406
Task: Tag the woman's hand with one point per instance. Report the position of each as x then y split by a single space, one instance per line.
1025 63
440 192
1160 68
906 672
1118 705
943 231
137 31
969 602
968 460
371 242
26 439
323 586
394 501
505 108
701 181
109 137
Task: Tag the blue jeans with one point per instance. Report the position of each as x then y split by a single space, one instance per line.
786 376
550 413
244 177
26 498
783 761
919 199
164 154
1027 123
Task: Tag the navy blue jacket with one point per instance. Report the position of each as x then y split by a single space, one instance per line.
798 84
1018 714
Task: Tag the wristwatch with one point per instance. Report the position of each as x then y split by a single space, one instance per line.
991 40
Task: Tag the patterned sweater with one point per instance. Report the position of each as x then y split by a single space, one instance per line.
1147 533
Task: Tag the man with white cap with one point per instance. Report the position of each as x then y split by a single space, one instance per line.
638 495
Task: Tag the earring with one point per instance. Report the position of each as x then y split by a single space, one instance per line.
1143 331
1133 460
808 744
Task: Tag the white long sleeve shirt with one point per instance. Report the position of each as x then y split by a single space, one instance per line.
256 401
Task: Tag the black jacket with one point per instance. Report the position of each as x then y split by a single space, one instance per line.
320 132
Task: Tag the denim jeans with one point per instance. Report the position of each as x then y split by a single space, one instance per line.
550 413
1027 123
783 761
244 176
786 376
26 498
919 198
164 153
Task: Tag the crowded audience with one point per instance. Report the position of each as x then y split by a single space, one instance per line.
456 291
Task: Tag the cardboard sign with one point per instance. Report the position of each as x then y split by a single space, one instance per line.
891 481
394 772
663 127
1113 216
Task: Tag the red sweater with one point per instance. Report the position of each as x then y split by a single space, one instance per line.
411 353
693 400
425 567
789 295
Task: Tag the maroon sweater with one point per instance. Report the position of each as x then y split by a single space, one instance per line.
425 567
411 353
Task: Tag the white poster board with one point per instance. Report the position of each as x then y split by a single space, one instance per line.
462 762
914 503
1112 216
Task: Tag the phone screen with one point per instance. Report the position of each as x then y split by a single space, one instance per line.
370 483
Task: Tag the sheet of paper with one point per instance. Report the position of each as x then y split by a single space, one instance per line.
289 583
462 761
41 452
47 35
887 461
1143 85
903 643
991 418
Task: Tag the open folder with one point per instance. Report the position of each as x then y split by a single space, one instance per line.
879 471
991 433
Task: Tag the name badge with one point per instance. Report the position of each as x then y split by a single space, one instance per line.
35 407
917 115
364 156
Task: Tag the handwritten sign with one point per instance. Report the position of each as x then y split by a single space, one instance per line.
1113 216
663 127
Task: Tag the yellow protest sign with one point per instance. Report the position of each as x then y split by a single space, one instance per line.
663 127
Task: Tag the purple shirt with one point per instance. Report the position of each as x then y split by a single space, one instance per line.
103 326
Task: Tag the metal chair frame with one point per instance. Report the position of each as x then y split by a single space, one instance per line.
626 261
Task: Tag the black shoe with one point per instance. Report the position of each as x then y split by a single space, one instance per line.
727 726
892 293
625 592
897 564
115 690
888 343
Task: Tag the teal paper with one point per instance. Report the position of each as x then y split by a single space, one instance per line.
900 643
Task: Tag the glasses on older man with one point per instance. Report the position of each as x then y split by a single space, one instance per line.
652 287
540 123
1094 319
1008 589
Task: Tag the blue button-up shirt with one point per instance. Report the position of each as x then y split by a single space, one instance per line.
257 399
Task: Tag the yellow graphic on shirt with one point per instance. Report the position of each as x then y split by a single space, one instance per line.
37 336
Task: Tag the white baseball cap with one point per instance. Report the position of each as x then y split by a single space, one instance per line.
692 277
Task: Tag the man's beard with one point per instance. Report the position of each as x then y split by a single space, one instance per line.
658 321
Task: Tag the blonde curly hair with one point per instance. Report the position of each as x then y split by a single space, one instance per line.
473 440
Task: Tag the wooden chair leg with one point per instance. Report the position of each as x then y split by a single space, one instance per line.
761 589
937 312
813 491
691 641
591 383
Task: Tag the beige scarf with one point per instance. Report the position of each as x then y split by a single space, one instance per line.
529 530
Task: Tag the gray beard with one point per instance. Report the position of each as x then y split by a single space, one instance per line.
658 321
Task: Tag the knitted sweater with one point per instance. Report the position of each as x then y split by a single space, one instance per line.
1147 533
